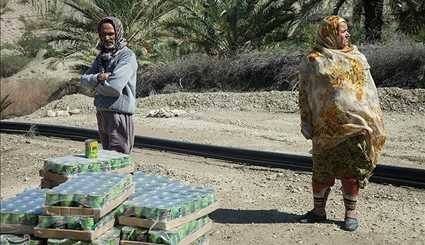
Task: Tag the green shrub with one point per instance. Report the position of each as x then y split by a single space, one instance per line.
10 65
358 34
306 36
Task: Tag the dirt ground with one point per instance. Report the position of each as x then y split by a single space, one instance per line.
258 205
11 26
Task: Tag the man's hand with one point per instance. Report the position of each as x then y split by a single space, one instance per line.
103 76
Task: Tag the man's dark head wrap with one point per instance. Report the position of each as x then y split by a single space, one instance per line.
120 42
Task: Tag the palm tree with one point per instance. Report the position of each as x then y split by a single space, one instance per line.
72 23
410 15
373 19
224 27
373 13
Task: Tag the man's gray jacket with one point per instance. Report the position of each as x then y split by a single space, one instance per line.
118 93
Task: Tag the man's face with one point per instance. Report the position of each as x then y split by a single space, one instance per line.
107 35
343 35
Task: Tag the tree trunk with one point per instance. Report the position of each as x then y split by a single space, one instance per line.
357 12
338 6
373 19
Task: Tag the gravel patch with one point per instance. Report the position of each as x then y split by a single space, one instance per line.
392 100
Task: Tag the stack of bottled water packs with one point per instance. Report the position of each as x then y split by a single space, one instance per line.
162 199
8 239
23 209
90 190
84 223
112 237
74 164
162 236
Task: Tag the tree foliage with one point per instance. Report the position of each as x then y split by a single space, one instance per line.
224 27
373 11
410 15
73 22
158 29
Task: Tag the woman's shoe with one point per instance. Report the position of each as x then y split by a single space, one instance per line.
350 224
311 217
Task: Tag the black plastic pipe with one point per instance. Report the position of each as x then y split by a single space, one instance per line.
384 174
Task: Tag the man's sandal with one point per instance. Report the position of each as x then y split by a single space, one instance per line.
311 217
350 224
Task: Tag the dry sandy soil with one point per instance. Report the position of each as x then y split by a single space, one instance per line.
258 205
11 25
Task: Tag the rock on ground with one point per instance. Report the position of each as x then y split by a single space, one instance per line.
392 100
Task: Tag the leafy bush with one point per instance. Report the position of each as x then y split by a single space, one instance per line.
10 65
303 38
358 34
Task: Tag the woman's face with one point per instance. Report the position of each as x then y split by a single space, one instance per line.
343 35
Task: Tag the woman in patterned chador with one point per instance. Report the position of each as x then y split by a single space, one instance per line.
340 113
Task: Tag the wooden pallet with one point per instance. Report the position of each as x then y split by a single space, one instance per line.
16 229
186 241
73 234
168 225
50 179
96 213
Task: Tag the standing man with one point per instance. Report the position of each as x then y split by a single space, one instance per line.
340 113
113 75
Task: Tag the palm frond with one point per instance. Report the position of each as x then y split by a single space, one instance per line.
75 26
229 25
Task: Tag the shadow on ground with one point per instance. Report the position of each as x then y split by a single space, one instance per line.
238 216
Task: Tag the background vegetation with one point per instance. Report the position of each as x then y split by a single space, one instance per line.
225 45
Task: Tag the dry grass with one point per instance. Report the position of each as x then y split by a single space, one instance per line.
399 63
257 71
